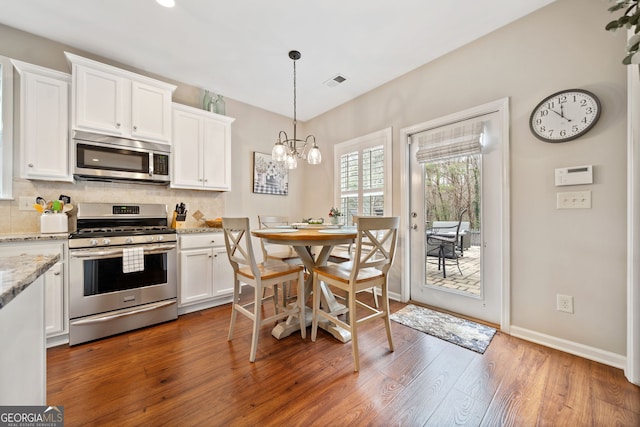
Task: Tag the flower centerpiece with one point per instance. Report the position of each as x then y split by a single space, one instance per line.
334 215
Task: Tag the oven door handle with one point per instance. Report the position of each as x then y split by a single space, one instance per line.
111 253
155 249
107 317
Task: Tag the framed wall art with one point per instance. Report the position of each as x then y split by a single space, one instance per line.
269 177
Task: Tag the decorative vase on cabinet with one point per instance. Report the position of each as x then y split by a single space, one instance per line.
220 105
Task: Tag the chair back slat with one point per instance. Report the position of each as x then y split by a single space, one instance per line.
237 238
267 221
376 243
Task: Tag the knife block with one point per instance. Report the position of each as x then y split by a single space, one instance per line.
177 222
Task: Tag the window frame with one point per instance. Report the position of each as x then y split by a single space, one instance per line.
382 137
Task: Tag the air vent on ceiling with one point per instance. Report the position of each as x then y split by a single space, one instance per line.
335 80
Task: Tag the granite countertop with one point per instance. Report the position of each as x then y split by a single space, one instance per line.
30 237
198 230
18 272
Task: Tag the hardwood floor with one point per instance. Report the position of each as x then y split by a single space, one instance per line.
185 373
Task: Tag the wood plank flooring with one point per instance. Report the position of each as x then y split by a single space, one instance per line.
185 373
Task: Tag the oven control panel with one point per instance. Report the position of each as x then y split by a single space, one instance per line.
126 210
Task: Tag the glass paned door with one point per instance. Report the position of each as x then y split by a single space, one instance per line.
462 189
453 224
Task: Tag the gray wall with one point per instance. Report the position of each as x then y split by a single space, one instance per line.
580 253
572 252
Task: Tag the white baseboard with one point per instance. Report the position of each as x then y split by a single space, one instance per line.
392 295
577 349
57 340
204 305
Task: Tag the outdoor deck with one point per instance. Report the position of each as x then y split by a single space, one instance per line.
469 281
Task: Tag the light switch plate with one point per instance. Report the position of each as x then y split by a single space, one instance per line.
573 200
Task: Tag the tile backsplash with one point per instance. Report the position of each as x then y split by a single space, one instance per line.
210 203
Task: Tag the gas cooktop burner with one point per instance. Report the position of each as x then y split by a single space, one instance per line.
120 231
108 220
127 229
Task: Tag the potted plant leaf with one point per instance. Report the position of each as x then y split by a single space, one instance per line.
629 20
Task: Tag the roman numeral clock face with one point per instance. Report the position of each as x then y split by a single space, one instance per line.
565 115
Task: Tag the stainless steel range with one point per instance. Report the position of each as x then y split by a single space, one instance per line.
122 270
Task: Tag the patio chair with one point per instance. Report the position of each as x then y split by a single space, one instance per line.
446 241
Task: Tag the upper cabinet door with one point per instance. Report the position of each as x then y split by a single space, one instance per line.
187 150
43 123
117 102
150 112
99 101
217 154
201 151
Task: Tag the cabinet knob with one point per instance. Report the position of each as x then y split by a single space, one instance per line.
30 165
135 128
117 125
206 180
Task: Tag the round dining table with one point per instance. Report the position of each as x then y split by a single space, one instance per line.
303 240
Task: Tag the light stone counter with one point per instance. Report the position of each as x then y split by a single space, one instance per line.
198 230
31 237
19 271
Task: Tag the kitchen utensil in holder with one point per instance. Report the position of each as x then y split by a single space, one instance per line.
178 221
54 223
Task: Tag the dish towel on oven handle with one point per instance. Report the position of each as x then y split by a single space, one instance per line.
132 260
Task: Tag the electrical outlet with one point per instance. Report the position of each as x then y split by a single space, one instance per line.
564 303
26 203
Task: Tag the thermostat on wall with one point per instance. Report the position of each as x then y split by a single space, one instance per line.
575 175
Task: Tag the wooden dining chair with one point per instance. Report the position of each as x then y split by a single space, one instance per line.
372 258
278 252
271 274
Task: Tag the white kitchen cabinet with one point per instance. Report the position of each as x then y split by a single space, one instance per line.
54 319
201 155
117 102
23 359
204 272
55 285
43 131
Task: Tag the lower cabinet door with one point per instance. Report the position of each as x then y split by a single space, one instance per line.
54 300
223 273
196 276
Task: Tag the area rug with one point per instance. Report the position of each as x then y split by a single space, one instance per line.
464 333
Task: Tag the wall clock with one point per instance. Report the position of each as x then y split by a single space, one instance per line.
565 115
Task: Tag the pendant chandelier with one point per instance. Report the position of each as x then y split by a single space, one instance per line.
290 150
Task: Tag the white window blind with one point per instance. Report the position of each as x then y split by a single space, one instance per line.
446 142
363 188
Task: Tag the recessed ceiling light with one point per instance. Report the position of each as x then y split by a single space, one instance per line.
166 3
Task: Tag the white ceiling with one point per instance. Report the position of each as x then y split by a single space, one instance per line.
240 48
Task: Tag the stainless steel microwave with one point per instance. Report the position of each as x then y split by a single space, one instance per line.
108 158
